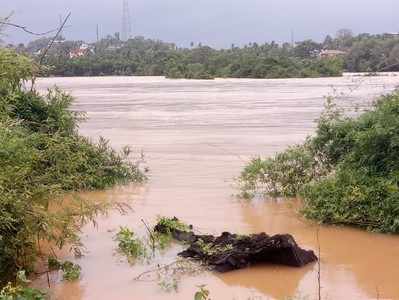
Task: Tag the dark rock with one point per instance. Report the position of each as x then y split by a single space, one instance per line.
231 251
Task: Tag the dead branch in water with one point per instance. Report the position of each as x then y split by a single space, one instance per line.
318 264
179 267
139 277
151 233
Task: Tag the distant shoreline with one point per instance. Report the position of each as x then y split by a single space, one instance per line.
345 74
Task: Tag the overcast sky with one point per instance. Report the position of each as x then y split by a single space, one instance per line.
218 23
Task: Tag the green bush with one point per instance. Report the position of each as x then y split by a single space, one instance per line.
348 173
129 244
363 190
20 290
284 174
41 157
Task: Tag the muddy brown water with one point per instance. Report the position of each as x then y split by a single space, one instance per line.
196 136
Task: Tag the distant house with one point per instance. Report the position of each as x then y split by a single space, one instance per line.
112 48
83 50
331 53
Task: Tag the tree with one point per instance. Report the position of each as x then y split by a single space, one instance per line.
328 43
307 49
344 38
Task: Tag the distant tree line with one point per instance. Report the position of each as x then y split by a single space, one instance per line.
140 56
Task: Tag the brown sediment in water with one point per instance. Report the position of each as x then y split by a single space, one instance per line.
196 136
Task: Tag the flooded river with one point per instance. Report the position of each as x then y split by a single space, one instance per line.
196 136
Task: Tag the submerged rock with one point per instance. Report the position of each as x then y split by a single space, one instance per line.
231 251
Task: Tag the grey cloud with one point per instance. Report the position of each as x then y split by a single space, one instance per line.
215 22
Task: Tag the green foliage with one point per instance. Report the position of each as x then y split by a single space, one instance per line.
140 56
129 244
371 54
49 114
70 270
134 247
169 225
20 291
348 173
363 190
42 156
172 224
162 240
15 70
284 174
202 294
10 292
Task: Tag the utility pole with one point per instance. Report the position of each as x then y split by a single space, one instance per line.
292 38
97 33
126 22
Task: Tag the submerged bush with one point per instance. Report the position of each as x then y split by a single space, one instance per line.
70 270
348 173
172 224
162 233
284 174
131 246
42 156
20 291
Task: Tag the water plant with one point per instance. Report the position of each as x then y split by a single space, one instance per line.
71 271
172 224
129 244
162 233
202 294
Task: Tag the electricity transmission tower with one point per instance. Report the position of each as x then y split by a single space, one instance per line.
126 22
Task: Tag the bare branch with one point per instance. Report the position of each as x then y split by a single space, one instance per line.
24 28
151 236
54 38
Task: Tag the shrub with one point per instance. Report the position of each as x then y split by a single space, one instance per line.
363 190
42 156
348 173
284 174
171 224
20 291
129 245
